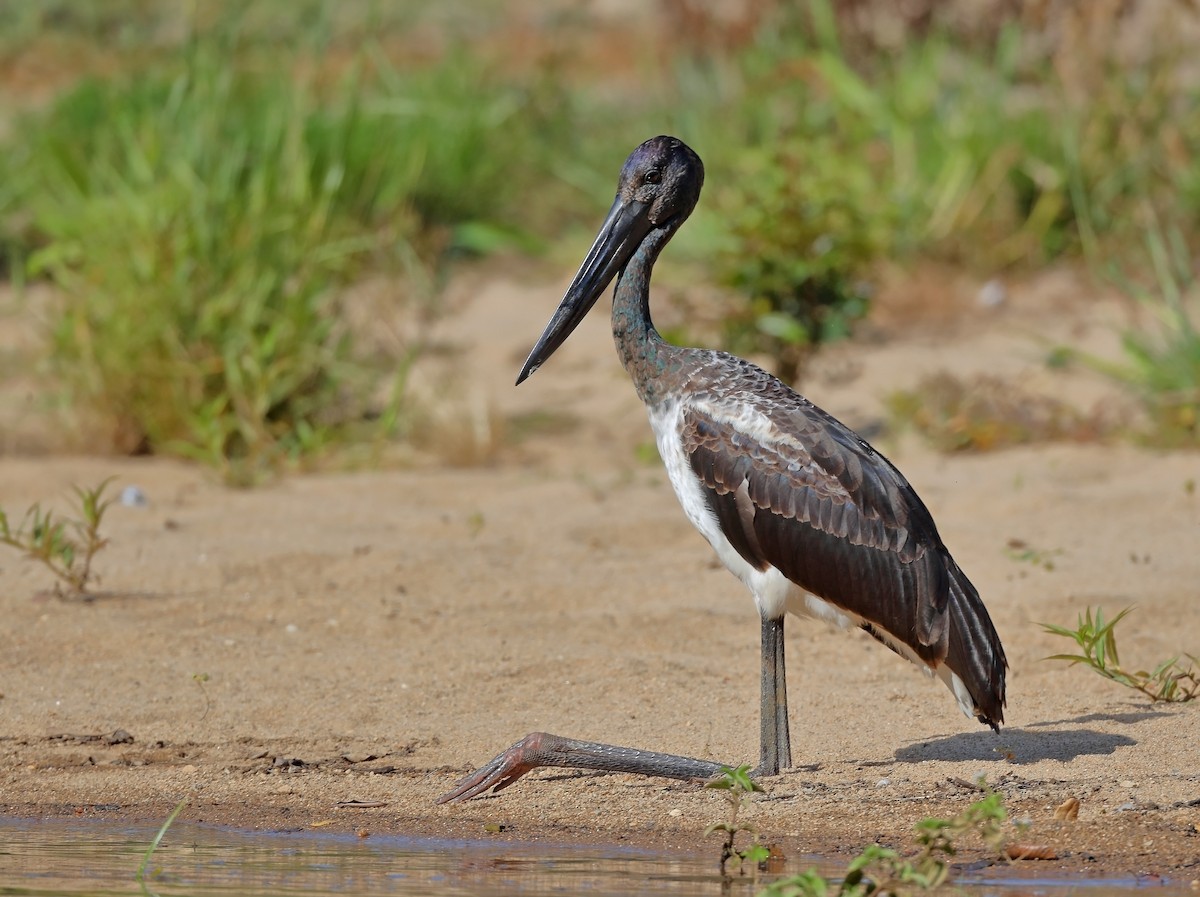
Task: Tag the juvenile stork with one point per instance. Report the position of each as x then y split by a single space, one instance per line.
802 510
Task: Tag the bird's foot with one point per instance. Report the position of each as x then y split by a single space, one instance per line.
501 771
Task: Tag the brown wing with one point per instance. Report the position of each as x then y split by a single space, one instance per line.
830 513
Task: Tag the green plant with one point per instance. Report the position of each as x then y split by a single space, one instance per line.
65 545
878 871
201 218
140 875
197 261
1021 551
803 232
1169 681
992 158
240 164
803 206
200 679
1123 144
852 161
1162 365
737 786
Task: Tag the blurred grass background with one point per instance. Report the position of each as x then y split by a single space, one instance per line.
200 184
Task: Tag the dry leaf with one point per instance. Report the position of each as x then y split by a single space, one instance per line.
1068 809
1031 852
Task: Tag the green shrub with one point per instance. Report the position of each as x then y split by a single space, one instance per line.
915 153
201 219
451 144
937 148
1161 366
805 228
197 256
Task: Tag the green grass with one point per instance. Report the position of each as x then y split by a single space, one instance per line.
1170 681
201 219
203 205
197 249
828 160
141 874
877 870
825 166
65 544
1161 363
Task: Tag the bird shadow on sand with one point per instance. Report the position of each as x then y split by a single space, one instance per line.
1016 746
1136 716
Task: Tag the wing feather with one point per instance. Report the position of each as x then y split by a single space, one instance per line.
830 513
796 489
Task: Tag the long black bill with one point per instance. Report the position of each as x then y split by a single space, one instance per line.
619 236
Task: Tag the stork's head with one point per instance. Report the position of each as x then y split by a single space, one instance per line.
664 175
659 185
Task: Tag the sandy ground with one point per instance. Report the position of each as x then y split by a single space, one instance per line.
373 636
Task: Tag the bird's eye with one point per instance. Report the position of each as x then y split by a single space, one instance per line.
654 176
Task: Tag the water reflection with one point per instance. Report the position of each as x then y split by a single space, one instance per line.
57 858
81 858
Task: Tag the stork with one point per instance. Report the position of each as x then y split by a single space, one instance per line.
797 506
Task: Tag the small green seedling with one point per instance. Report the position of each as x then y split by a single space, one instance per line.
65 545
1170 681
1021 551
738 786
200 679
879 870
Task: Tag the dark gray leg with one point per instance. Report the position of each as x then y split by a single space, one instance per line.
775 744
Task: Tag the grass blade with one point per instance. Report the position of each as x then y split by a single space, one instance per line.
141 872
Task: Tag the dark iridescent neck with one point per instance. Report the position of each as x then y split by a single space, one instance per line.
643 352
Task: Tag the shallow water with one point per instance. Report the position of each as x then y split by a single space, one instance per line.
57 858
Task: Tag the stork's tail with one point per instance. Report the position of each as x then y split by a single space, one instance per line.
974 657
